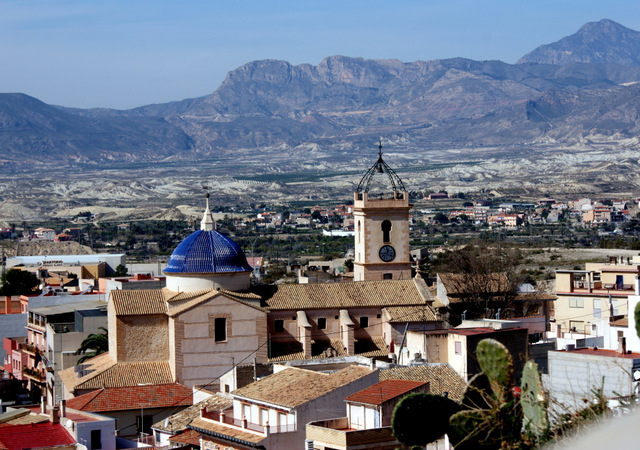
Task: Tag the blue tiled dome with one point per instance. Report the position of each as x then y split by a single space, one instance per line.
207 252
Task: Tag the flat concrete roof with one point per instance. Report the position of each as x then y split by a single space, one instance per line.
601 352
68 307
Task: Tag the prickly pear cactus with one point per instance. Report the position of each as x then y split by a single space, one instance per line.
477 395
493 417
467 425
534 402
419 418
497 364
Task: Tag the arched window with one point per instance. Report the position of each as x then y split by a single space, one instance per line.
386 228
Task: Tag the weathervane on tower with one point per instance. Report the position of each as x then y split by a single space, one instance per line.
381 228
381 167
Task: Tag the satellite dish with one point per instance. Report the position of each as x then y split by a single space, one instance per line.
636 375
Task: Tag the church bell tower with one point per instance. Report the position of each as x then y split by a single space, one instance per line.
381 223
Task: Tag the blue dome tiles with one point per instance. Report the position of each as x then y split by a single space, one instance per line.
206 251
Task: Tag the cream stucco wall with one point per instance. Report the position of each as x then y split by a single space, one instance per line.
197 358
335 328
368 217
578 310
233 281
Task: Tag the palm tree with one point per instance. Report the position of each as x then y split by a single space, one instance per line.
93 345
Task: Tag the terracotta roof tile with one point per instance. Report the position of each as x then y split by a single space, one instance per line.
345 295
172 296
179 421
206 425
459 284
133 397
292 386
291 351
371 348
189 437
176 307
624 322
384 391
441 377
103 371
423 313
130 374
98 364
18 437
138 302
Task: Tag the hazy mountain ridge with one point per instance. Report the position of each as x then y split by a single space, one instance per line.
560 93
595 42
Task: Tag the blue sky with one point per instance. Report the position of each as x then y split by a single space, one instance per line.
127 53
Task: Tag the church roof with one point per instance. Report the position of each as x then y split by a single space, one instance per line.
139 302
402 314
207 251
345 295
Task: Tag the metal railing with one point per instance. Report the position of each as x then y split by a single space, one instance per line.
228 419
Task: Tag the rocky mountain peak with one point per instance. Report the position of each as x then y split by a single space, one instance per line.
603 42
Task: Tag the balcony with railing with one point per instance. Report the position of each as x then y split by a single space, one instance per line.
34 374
226 417
598 287
593 283
29 349
337 432
63 327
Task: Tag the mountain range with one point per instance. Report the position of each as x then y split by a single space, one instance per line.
580 90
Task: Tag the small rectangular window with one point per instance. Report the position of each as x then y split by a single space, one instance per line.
458 348
220 325
264 416
364 322
322 323
279 325
387 276
246 412
576 303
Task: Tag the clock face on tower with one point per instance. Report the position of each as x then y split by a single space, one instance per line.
387 253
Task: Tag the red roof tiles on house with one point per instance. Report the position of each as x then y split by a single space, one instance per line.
133 397
384 391
18 437
190 437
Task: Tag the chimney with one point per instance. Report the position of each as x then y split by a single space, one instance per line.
63 408
559 331
55 415
622 345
